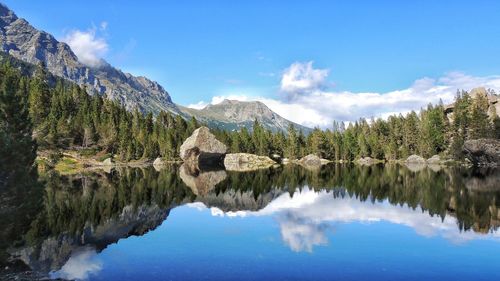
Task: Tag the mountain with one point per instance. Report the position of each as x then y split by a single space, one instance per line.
233 114
22 41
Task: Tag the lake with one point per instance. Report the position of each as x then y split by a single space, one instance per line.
339 222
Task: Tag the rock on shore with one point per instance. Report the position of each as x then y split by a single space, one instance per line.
246 162
483 152
203 148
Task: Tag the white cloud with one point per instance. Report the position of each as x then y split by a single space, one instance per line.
302 77
87 45
306 218
198 105
308 102
80 265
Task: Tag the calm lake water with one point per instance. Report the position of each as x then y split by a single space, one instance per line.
287 223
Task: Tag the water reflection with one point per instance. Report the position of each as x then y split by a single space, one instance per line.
80 215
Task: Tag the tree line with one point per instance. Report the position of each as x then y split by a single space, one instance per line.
426 133
61 115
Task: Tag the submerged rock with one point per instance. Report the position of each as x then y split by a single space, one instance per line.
203 148
200 182
246 162
483 152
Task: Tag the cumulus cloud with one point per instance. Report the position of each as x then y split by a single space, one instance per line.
301 78
87 45
306 218
306 92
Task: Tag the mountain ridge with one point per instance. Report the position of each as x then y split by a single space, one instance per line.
234 114
19 39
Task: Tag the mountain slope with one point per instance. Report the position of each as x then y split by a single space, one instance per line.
21 40
232 115
24 42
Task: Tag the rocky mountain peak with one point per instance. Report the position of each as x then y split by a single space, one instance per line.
6 15
23 41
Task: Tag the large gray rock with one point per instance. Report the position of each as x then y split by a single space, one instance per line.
415 159
435 159
21 40
108 162
203 148
311 161
246 162
200 182
367 161
483 152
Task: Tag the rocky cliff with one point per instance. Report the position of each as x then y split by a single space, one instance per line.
21 40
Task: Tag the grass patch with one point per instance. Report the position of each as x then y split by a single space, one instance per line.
68 165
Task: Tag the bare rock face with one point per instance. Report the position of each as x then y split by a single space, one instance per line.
203 148
246 162
415 159
200 182
483 152
21 40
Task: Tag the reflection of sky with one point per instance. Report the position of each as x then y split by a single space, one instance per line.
311 236
306 216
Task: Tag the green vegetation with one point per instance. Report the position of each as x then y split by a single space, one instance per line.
17 147
426 133
64 117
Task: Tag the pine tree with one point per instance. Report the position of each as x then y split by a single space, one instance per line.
17 147
479 120
39 97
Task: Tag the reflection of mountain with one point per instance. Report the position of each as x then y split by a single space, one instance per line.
81 215
54 251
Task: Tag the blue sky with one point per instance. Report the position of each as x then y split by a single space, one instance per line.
203 49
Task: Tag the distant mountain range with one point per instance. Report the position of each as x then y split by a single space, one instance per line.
233 114
21 40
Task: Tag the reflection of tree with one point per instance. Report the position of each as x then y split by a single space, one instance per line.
443 192
100 208
20 202
73 202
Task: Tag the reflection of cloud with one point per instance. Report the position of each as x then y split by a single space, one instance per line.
80 265
305 218
301 234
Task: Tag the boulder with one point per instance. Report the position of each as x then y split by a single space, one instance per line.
203 148
246 162
310 160
415 159
108 162
158 164
200 182
483 152
367 161
435 159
